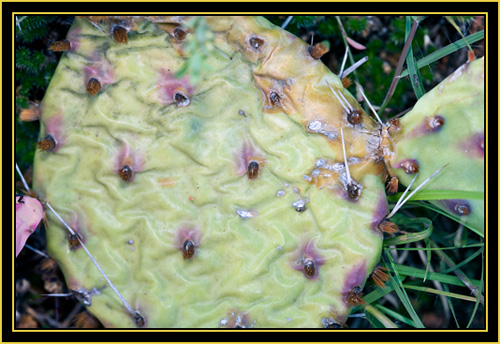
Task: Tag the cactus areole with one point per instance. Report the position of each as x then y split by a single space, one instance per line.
230 202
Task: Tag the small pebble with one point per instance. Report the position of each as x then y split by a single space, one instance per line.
337 167
329 134
246 213
299 205
320 163
314 126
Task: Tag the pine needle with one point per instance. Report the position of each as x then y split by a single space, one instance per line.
401 203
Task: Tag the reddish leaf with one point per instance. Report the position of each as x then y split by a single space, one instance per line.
355 44
29 213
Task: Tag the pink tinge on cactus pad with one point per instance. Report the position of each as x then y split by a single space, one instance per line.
458 207
54 128
29 213
128 163
174 90
99 69
245 156
474 146
76 223
430 124
74 38
380 213
354 278
188 241
307 260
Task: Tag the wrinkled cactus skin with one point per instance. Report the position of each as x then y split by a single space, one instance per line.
154 174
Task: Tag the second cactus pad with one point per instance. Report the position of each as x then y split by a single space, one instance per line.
446 128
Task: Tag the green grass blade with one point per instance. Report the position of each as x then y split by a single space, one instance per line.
415 77
378 294
429 253
374 321
461 275
442 212
440 292
411 237
396 315
381 317
403 297
433 195
461 238
433 276
464 262
399 68
452 309
454 24
476 306
436 248
447 50
396 283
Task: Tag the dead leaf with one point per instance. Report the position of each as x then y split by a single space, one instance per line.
355 44
29 213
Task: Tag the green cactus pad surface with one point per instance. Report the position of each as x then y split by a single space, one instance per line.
220 203
446 127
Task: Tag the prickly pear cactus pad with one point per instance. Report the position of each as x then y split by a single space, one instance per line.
446 127
220 203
